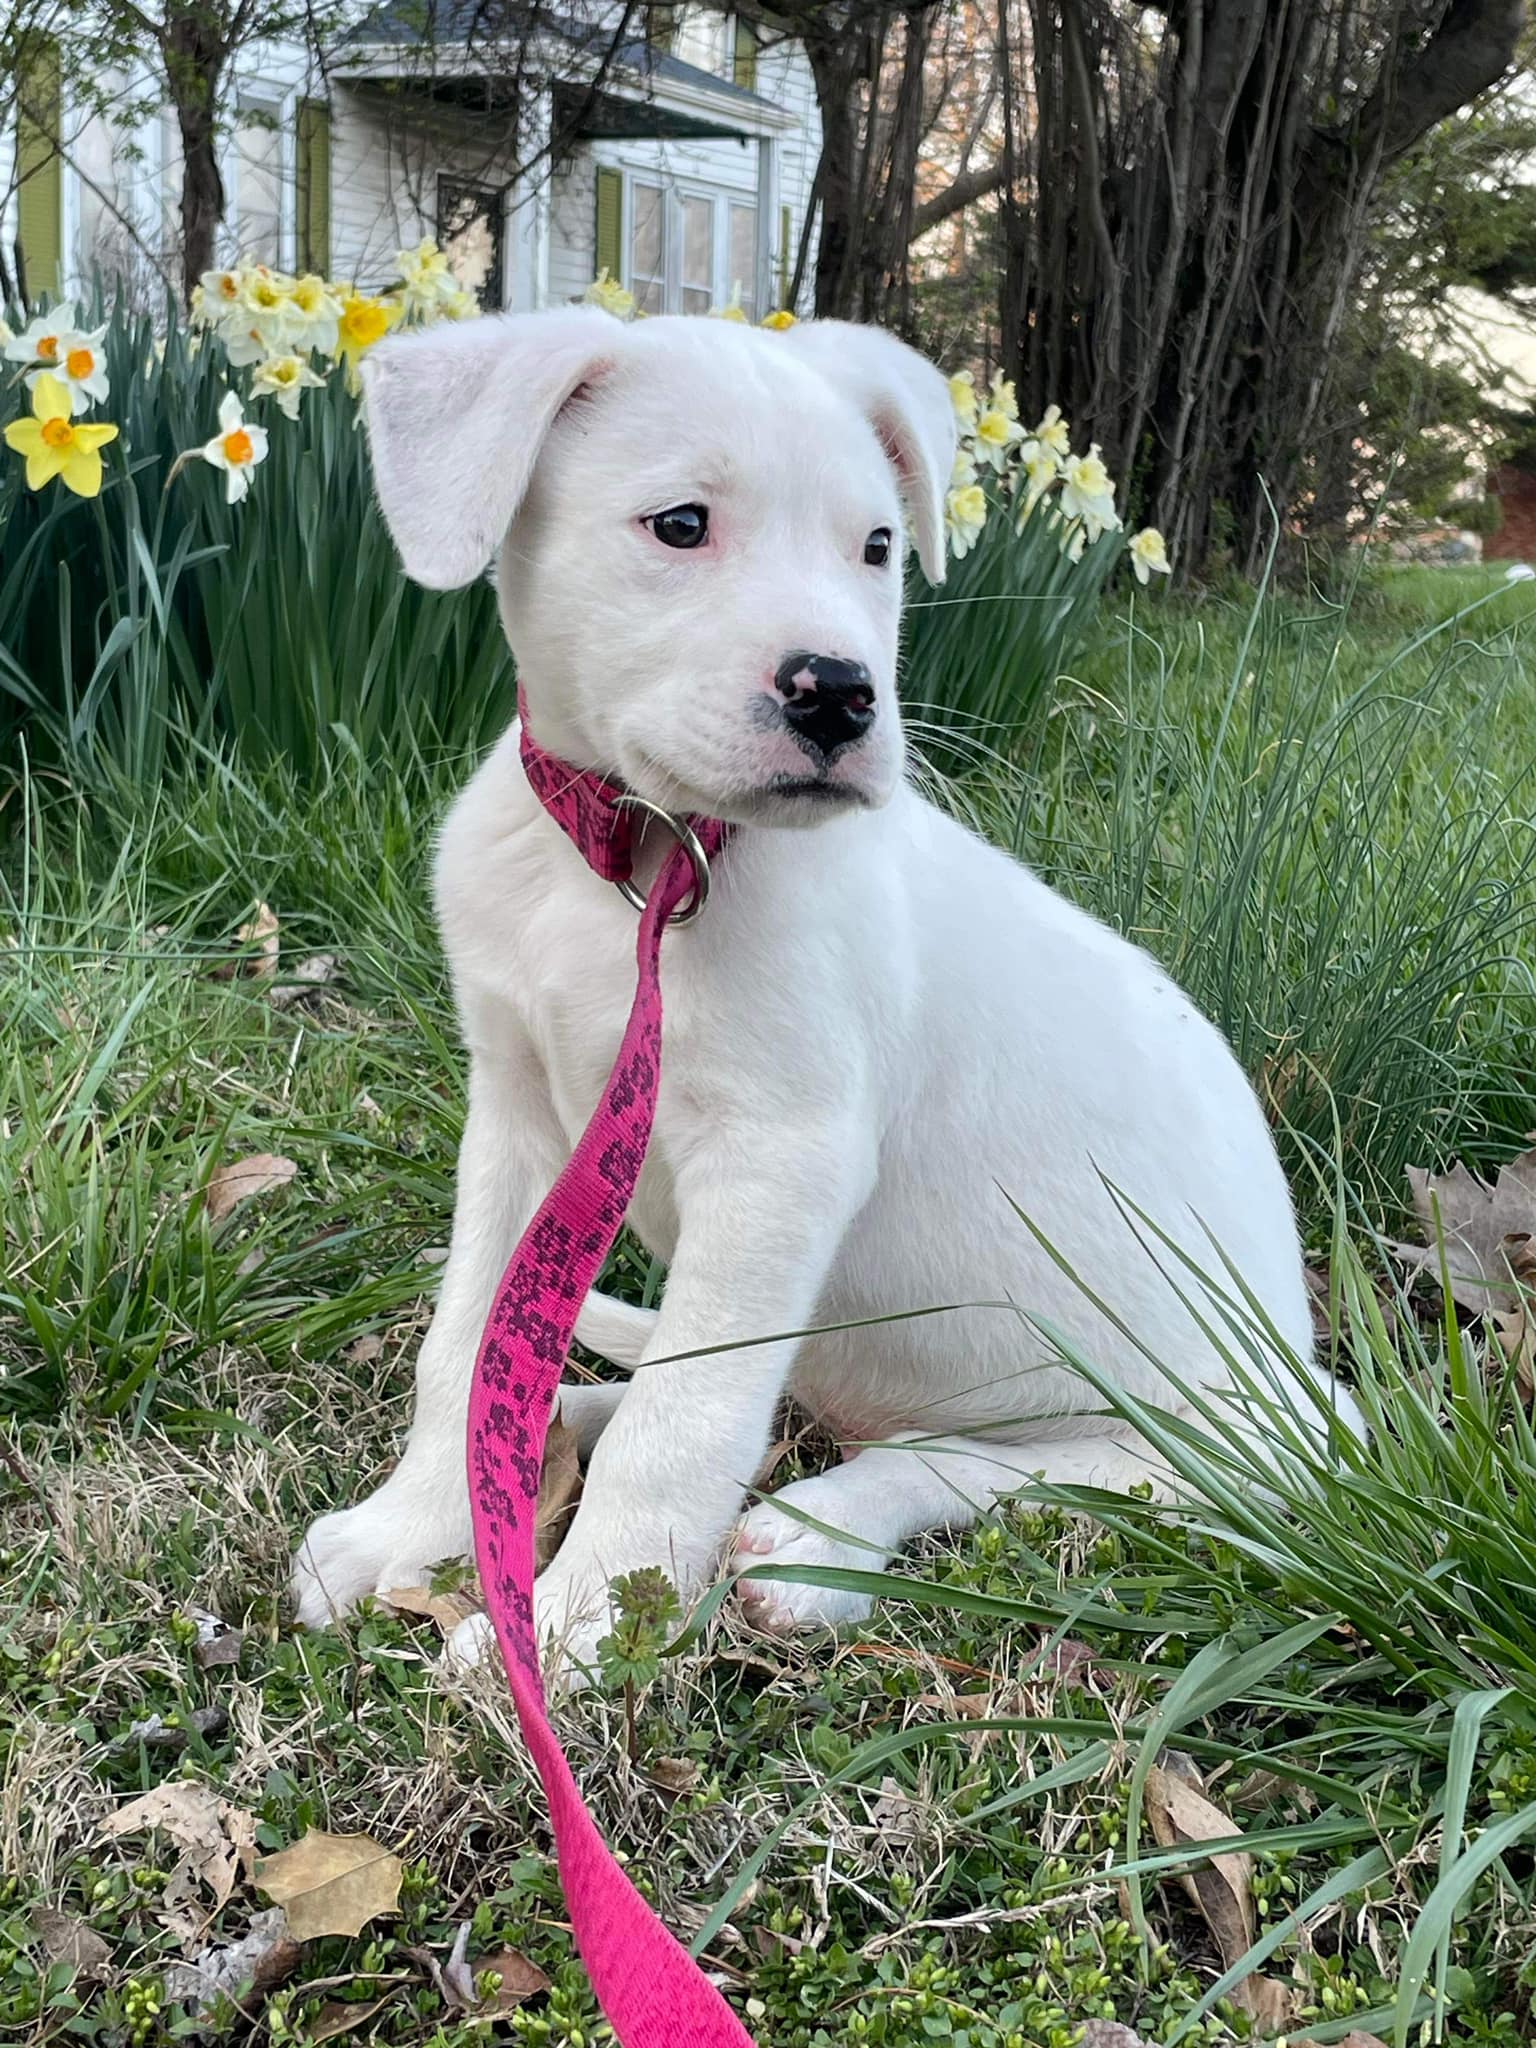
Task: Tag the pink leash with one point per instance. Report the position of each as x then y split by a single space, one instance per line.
653 1992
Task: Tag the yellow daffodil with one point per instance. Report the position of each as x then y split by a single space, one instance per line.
1054 433
363 325
606 292
1149 555
777 322
80 367
1087 493
732 309
55 446
285 378
962 396
995 434
1004 398
46 338
966 517
236 448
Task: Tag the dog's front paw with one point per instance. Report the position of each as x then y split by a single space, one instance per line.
768 1539
391 1540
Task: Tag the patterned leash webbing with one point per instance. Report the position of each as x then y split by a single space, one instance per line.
654 1993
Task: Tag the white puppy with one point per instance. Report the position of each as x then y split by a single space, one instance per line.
880 1030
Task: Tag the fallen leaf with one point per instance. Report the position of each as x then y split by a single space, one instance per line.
559 1490
970 1706
1222 1887
1070 1661
228 1186
67 1940
896 1813
1488 1232
336 2018
296 987
674 1775
253 1967
367 1105
446 1609
1108 2034
1357 2039
331 1884
365 1349
261 933
155 1732
213 1836
1271 2002
520 1979
217 1641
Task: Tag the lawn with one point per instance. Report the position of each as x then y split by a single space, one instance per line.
968 1824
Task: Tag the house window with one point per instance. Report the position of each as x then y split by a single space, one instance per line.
696 283
742 255
648 247
687 250
471 231
259 183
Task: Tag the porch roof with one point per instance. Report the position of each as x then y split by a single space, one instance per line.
449 54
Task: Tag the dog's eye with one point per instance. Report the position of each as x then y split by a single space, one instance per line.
877 549
680 526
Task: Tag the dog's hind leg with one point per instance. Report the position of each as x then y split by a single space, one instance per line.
615 1330
868 1507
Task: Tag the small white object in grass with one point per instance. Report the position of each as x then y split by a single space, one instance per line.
470 1643
1520 572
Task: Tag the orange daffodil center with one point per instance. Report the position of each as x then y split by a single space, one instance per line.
236 448
48 348
55 445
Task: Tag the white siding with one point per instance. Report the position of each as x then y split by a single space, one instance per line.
572 227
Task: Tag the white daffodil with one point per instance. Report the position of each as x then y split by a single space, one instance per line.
1054 433
962 396
1074 541
1004 398
1038 470
1087 493
236 448
964 473
44 340
7 333
81 369
995 434
268 311
314 312
965 514
285 378
430 285
1149 555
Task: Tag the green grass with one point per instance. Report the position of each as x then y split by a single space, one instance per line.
1324 824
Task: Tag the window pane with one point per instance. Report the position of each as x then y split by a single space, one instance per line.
469 227
647 294
699 245
259 184
695 300
744 257
645 232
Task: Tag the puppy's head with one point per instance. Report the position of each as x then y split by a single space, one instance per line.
701 530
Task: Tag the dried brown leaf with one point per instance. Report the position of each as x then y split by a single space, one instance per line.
1271 2002
520 1979
559 1490
230 1185
446 1609
336 2018
331 1884
218 1642
261 934
65 1939
316 971
1488 1231
365 1349
213 1836
265 1956
1221 1888
674 1775
969 1706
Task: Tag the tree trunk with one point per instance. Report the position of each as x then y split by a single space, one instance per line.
195 56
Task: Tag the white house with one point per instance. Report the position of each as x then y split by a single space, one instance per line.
683 162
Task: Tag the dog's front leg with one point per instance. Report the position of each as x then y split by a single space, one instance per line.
667 1476
511 1151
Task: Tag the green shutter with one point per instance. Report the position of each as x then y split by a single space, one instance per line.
313 180
40 173
744 60
609 254
786 257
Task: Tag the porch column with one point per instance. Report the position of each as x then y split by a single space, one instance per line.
767 221
528 214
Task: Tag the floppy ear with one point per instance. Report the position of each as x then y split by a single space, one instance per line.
456 418
906 400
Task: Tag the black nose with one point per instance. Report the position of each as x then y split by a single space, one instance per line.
829 702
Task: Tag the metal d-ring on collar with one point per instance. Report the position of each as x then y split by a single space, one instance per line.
688 839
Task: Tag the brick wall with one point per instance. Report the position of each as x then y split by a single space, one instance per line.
1515 540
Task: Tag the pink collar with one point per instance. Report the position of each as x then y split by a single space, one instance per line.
603 820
